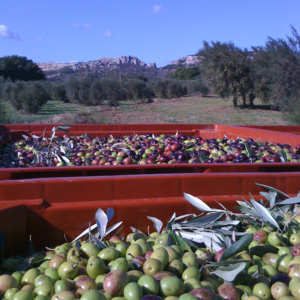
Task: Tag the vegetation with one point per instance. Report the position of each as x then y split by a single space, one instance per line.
20 68
270 74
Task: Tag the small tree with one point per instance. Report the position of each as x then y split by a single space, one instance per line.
58 92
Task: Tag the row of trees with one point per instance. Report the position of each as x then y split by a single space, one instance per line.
31 95
270 73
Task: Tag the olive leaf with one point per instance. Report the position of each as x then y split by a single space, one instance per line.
197 202
228 273
113 227
85 232
260 250
248 149
289 201
273 190
101 221
110 213
158 224
270 197
180 241
282 156
238 246
208 218
264 213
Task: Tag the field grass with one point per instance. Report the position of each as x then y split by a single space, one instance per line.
196 109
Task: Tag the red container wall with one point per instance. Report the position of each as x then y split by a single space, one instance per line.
12 132
49 208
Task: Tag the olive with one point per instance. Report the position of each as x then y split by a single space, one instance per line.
108 254
7 282
24 295
279 289
295 238
162 255
115 282
228 292
152 266
203 293
176 266
171 286
294 287
63 295
144 245
10 293
44 290
119 264
149 284
134 275
262 291
43 279
133 250
191 283
189 259
172 253
56 261
151 297
52 273
30 276
92 295
296 250
85 283
89 249
63 285
294 271
187 297
133 291
68 269
191 272
95 266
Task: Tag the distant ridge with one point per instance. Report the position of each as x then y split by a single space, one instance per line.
123 66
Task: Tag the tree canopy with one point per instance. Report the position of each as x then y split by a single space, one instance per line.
20 68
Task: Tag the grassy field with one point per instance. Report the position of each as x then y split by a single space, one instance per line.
194 109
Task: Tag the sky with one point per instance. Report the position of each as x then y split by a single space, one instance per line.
157 31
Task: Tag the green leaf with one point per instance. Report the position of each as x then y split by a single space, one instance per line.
273 190
248 149
238 246
282 155
260 250
228 273
180 241
203 158
264 213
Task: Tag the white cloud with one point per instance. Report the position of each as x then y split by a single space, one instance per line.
107 33
157 8
81 26
7 34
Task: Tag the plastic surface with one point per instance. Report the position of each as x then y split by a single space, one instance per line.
48 208
294 129
280 134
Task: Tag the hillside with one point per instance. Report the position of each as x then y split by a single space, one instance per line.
123 66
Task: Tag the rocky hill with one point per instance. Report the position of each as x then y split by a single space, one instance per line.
123 66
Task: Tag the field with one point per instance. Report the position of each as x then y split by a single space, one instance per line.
194 109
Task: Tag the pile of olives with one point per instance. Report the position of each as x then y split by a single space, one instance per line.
153 267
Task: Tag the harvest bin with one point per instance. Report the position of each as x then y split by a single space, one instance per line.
14 132
48 208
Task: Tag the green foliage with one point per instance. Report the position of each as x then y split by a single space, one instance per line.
29 96
278 73
58 92
227 69
20 68
164 88
186 73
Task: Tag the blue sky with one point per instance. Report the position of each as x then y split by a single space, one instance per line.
153 30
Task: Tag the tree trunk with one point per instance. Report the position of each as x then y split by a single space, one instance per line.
244 100
235 101
251 99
